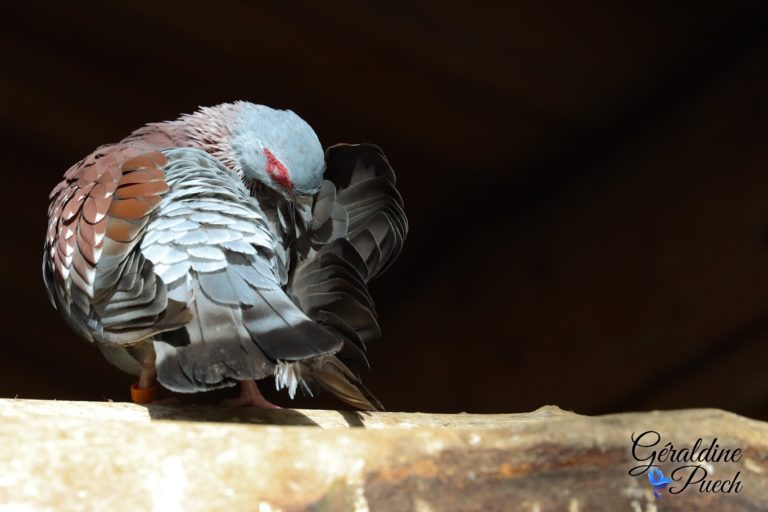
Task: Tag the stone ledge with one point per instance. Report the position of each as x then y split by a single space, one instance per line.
114 456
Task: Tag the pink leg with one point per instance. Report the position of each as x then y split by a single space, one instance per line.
250 396
145 391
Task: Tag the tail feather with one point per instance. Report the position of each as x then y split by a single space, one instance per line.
227 341
213 350
333 376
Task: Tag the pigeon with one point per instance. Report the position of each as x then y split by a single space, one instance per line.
225 247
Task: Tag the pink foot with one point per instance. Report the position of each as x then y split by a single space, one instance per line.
250 396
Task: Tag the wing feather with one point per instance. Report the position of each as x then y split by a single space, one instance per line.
357 230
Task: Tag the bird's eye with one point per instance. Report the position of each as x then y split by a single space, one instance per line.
277 171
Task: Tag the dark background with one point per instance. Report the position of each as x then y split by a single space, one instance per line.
586 183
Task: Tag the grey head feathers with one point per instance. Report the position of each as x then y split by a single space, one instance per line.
266 140
261 144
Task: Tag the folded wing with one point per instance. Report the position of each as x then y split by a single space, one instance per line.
182 256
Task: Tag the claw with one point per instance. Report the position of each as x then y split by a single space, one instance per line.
250 396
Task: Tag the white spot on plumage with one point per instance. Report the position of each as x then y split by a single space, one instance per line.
98 237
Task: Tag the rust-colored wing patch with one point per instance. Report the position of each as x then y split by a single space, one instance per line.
98 212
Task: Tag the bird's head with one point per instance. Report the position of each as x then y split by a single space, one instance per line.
277 148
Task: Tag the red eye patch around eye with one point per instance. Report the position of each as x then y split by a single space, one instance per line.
277 170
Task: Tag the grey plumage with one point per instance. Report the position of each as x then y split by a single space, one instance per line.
220 261
331 283
242 321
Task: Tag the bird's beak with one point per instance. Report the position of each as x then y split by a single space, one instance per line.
303 205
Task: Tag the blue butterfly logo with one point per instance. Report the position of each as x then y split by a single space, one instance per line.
658 481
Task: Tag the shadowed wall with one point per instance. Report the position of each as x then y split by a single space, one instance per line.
586 184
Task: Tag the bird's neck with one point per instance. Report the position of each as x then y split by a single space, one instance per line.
208 129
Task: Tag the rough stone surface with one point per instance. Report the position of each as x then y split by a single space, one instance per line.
115 456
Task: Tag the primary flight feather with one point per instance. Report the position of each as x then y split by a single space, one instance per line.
225 247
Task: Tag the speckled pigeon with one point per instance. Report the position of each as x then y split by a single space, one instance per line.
225 247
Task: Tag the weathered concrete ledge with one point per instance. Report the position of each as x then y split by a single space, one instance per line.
117 456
